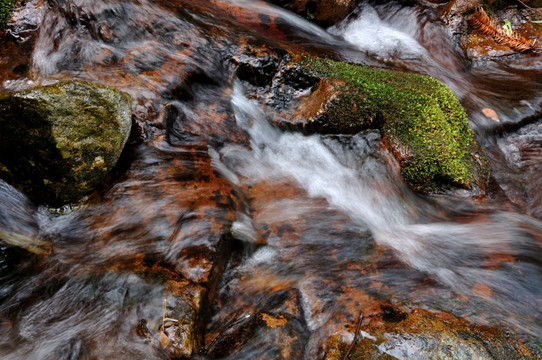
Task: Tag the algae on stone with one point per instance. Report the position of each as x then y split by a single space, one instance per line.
413 111
58 142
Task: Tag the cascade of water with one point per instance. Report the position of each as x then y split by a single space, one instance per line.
352 180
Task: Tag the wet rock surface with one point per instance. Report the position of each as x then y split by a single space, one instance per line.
348 277
388 333
183 225
324 12
18 221
67 137
18 39
274 330
478 45
524 149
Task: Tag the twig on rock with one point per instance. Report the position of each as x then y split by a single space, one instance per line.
358 327
221 333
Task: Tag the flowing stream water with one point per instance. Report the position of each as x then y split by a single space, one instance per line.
315 213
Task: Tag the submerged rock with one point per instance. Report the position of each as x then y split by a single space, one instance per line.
276 330
182 227
422 122
58 142
18 223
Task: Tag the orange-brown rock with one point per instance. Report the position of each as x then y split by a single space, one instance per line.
18 38
390 333
182 225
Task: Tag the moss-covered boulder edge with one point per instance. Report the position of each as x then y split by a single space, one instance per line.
420 118
58 142
6 9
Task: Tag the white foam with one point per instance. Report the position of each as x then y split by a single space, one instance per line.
368 32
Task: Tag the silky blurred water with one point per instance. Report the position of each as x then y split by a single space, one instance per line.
319 214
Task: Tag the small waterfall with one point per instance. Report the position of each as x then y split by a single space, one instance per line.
355 179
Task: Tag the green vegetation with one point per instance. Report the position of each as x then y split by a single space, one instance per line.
418 112
507 28
6 8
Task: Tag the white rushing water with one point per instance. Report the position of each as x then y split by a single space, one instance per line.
369 32
405 37
355 180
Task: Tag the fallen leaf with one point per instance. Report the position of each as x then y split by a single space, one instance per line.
482 290
165 341
490 113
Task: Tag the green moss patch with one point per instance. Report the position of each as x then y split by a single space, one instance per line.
418 112
6 8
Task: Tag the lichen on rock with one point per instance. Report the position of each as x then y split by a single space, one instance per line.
58 142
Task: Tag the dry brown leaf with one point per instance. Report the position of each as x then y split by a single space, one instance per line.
490 113
165 341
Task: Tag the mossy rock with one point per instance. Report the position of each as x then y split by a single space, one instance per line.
58 142
421 119
6 8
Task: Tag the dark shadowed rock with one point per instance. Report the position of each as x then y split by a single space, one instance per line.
58 142
256 66
277 330
324 12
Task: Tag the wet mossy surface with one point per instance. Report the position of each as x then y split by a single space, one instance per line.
58 142
413 111
6 8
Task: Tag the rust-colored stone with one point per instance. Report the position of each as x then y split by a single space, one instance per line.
17 40
434 334
182 223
